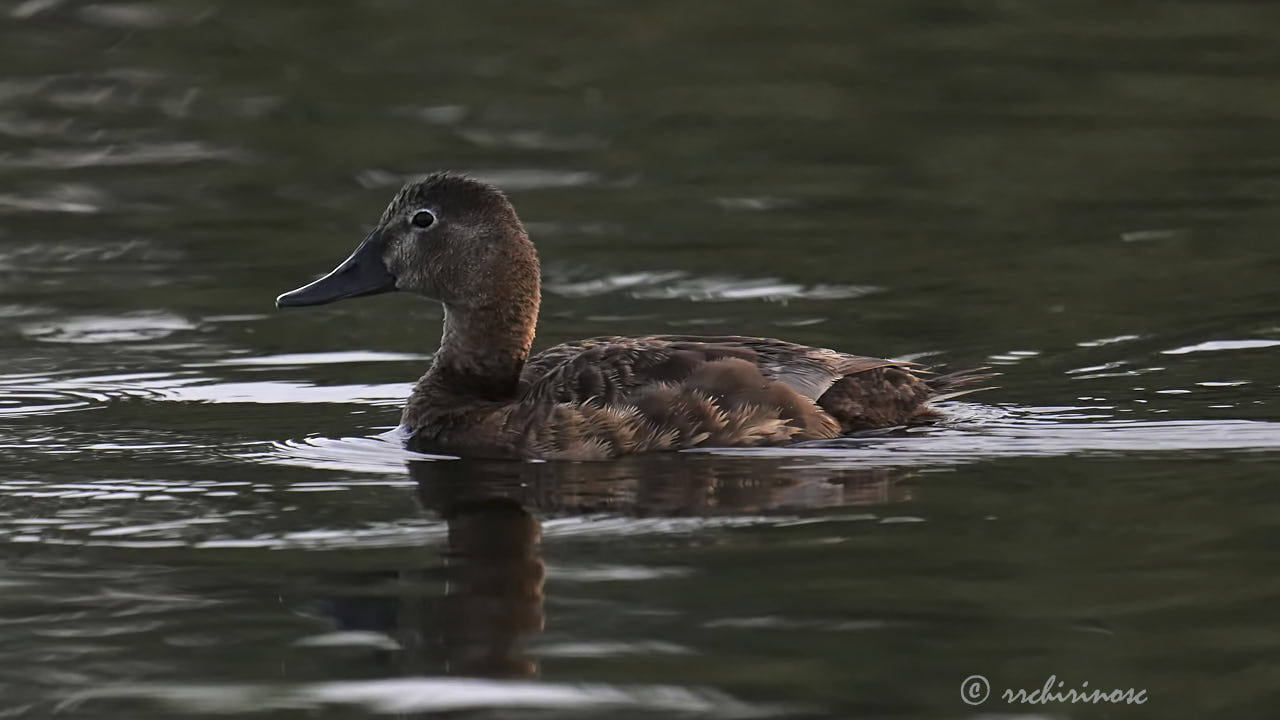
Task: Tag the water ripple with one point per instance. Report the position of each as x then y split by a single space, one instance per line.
1220 345
679 285
283 392
433 694
509 179
140 15
36 394
993 433
318 358
532 140
118 155
383 454
103 329
18 401
85 258
74 199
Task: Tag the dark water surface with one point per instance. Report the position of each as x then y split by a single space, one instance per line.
200 514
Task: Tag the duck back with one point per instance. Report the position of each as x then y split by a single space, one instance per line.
611 396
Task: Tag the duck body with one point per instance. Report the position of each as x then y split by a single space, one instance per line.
485 396
611 396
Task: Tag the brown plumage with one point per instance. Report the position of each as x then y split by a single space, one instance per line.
459 241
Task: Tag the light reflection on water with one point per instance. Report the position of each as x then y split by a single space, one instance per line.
429 694
441 603
203 508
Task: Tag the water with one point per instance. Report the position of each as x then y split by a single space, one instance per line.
203 511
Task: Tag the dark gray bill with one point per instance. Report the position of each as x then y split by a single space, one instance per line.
361 274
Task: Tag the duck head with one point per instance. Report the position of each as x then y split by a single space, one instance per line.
447 237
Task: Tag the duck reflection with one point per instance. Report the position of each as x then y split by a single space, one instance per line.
654 486
494 596
491 566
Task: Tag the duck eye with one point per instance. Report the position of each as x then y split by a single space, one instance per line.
423 219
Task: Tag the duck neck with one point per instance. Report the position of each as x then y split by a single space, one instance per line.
483 349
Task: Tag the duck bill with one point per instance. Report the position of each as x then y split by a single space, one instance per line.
361 274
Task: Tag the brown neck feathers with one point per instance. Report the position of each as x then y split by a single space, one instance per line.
483 350
486 341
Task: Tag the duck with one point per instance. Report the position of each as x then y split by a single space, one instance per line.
457 240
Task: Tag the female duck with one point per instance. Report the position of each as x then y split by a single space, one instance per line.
458 241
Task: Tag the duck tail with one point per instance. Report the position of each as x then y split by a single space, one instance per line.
954 384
